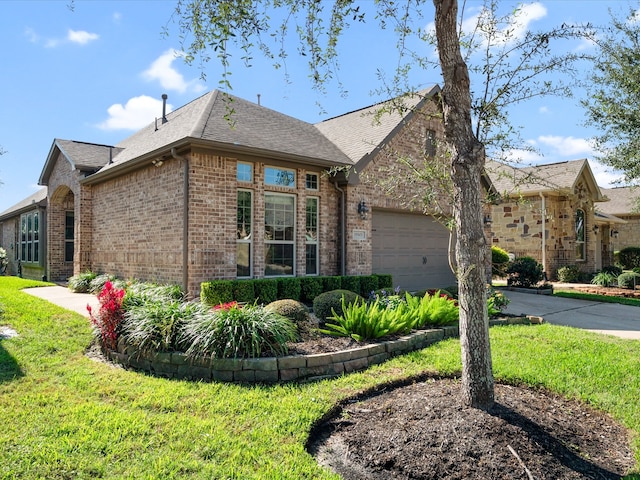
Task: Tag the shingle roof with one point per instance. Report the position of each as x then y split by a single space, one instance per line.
36 198
559 177
235 124
622 200
360 132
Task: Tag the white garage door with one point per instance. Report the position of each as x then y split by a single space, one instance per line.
412 248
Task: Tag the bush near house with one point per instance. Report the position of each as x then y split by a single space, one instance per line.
330 303
629 280
604 279
569 274
524 272
499 261
629 257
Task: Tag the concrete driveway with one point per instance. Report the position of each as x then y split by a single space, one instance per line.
607 318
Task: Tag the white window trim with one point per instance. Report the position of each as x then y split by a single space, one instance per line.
315 242
251 235
281 242
582 242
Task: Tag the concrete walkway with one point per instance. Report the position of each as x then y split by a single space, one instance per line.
607 318
65 298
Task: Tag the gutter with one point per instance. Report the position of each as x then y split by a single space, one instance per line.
185 219
543 235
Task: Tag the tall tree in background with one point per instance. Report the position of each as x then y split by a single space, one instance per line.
510 75
613 94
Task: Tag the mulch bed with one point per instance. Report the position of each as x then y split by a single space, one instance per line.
609 291
421 431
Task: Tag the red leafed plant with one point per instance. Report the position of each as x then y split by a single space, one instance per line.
110 314
227 306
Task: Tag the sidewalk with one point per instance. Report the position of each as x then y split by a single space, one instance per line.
65 298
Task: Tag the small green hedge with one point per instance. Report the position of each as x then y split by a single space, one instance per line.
629 257
304 289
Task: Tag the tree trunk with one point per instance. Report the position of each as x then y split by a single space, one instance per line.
467 162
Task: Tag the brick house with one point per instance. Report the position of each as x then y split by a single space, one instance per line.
553 213
225 188
623 204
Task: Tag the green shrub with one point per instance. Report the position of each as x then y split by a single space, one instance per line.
97 283
247 332
244 291
524 272
636 269
612 269
81 283
156 326
629 280
311 287
141 293
433 310
351 283
331 283
324 303
368 284
266 290
499 260
363 321
289 287
629 257
384 280
216 292
569 274
496 301
604 279
294 310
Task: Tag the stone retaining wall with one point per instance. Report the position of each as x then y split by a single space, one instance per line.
288 368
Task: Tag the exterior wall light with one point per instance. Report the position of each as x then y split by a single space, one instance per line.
596 229
487 220
614 233
363 210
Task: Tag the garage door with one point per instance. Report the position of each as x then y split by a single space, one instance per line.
412 248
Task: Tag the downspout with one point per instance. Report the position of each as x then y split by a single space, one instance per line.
185 220
543 236
343 221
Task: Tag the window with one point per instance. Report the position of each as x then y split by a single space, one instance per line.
243 235
312 236
244 172
580 235
279 234
312 181
69 231
430 143
279 177
29 239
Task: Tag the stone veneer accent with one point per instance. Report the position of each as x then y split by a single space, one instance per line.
288 368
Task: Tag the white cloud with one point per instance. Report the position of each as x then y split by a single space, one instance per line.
32 35
567 146
544 109
135 114
605 176
162 70
527 14
81 37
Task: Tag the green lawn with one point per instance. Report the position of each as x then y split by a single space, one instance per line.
66 416
597 298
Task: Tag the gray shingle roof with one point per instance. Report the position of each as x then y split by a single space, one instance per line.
360 132
622 200
559 177
26 204
252 128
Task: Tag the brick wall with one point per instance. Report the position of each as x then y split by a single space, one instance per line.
628 233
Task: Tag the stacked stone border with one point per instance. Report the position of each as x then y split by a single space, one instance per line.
287 368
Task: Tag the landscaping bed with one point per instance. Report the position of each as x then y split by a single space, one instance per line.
609 291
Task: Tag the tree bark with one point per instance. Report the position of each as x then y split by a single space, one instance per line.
467 163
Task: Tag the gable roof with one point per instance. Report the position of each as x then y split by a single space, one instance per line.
232 125
561 177
622 201
39 198
359 134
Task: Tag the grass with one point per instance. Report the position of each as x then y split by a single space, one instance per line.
64 415
597 298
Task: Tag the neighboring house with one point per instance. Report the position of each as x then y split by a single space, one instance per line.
22 235
550 212
226 188
623 204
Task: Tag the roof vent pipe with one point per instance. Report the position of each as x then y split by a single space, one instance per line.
164 108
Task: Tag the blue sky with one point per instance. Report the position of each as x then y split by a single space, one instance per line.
96 74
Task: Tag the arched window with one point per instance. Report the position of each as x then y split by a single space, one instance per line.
580 236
